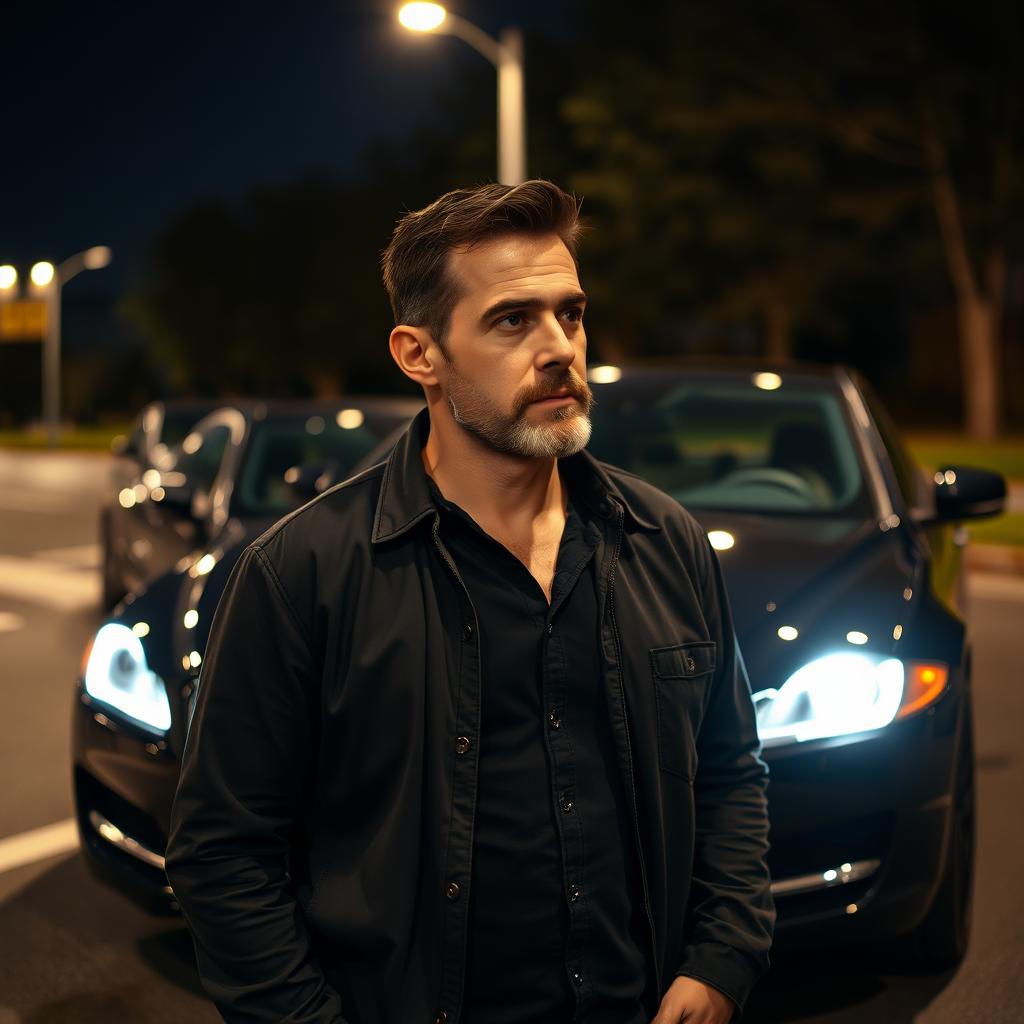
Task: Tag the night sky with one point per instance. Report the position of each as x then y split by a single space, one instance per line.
115 116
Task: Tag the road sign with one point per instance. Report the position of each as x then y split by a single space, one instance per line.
22 320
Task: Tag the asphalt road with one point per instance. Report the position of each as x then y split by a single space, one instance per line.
74 952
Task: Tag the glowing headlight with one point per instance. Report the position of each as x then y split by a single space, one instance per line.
117 674
831 696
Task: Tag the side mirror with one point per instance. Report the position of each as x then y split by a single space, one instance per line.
310 479
963 492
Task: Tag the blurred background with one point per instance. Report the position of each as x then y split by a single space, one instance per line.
832 182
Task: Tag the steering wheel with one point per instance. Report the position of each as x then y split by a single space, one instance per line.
772 476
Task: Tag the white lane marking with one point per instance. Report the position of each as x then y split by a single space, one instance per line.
10 621
81 556
40 843
996 586
53 586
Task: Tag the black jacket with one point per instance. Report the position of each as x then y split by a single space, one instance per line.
325 809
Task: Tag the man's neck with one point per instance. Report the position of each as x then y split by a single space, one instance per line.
504 493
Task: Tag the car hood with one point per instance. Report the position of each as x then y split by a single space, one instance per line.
827 578
835 581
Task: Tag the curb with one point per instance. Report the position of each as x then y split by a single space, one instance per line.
1000 558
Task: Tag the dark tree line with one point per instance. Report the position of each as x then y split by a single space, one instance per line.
740 163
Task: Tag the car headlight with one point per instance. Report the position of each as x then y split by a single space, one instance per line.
117 674
845 693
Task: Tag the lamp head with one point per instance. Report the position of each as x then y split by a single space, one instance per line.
421 17
97 257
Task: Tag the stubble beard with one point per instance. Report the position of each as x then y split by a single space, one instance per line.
565 430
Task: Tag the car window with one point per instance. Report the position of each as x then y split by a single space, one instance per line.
202 453
176 426
733 447
276 445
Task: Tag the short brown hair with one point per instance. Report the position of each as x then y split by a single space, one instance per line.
415 263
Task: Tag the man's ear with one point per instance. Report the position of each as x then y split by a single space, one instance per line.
416 353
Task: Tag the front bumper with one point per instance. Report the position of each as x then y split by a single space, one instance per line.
123 782
858 826
859 829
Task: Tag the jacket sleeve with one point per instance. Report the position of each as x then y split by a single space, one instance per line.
243 781
730 918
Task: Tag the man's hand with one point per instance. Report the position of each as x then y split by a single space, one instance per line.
689 1001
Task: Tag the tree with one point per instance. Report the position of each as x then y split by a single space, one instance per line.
752 151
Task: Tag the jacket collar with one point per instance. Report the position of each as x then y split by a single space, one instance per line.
405 497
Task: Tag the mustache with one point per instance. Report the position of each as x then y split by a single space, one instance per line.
570 382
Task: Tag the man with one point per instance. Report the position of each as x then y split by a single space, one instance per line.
473 740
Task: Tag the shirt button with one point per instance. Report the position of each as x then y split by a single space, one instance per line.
467 630
462 745
453 890
566 803
556 722
577 978
574 893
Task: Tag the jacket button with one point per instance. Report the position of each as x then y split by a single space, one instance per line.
566 803
441 1018
551 628
577 978
453 890
554 720
690 664
467 630
574 893
462 744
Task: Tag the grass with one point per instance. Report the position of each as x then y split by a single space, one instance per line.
1006 529
96 438
1005 455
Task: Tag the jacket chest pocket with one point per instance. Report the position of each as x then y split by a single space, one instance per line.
682 674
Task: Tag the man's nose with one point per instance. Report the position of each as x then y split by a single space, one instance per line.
555 348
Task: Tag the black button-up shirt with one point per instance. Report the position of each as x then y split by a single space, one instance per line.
556 918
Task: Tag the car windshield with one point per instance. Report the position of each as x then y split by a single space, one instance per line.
279 443
177 424
727 445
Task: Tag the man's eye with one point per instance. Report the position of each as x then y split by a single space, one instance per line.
575 314
512 320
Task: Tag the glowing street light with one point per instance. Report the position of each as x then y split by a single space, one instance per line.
506 54
8 278
42 273
45 276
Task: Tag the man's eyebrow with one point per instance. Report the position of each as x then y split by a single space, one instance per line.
506 306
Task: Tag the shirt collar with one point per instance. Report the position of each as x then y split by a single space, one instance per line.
405 498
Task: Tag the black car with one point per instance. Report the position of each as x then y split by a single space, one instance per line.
147 448
844 567
183 500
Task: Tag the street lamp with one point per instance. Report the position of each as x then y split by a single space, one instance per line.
8 278
45 275
506 54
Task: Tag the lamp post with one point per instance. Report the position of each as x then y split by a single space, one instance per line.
506 54
50 279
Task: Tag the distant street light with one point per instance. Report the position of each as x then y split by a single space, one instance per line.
53 279
8 278
42 273
506 54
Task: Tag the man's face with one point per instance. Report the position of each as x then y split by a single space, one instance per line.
516 370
